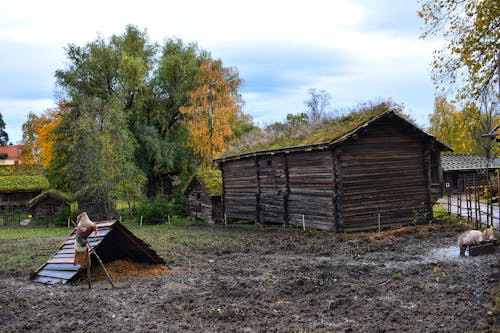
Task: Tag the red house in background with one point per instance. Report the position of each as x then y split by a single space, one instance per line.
10 155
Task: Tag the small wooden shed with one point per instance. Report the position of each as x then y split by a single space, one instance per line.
203 196
45 206
376 167
464 170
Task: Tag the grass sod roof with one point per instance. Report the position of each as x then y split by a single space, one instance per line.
210 179
325 134
23 183
64 197
22 170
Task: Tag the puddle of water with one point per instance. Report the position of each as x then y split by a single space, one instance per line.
444 253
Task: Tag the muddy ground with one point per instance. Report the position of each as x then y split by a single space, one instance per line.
409 280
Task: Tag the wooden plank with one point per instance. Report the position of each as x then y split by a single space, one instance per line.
62 267
60 260
48 280
66 275
64 255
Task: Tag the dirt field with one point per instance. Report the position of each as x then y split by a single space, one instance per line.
271 280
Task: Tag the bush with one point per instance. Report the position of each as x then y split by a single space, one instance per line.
61 217
153 211
178 204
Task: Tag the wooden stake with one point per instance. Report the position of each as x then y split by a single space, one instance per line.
378 220
102 265
88 271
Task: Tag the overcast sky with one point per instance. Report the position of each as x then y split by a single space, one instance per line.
356 50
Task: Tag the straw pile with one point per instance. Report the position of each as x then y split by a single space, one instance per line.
122 268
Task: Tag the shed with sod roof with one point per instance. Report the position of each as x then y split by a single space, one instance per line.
361 169
203 196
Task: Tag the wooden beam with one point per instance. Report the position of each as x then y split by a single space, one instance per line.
338 191
286 215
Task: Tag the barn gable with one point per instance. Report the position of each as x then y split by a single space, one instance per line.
113 242
384 169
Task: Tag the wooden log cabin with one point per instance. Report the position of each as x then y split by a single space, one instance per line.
203 196
381 169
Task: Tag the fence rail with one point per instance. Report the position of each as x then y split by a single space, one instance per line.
473 200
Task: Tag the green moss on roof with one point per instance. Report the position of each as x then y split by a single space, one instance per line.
22 170
212 180
53 193
326 131
23 183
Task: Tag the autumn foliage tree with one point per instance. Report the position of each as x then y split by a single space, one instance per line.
451 126
470 56
39 136
214 105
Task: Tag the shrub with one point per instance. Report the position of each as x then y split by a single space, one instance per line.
153 211
61 217
178 204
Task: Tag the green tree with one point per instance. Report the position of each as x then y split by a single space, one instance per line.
4 137
100 165
148 84
470 56
161 136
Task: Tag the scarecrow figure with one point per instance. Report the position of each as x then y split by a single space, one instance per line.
83 230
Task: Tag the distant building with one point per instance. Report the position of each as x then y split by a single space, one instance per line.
462 170
203 196
10 155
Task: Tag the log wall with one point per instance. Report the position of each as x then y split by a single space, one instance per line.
311 184
384 172
240 189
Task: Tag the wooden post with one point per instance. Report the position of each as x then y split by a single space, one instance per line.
459 199
475 197
100 262
338 190
257 195
428 177
303 222
286 196
88 272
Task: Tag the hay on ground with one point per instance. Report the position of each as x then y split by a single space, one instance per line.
122 268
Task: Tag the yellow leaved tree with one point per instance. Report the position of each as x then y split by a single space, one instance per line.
214 105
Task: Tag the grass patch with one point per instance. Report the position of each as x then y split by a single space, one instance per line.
30 233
